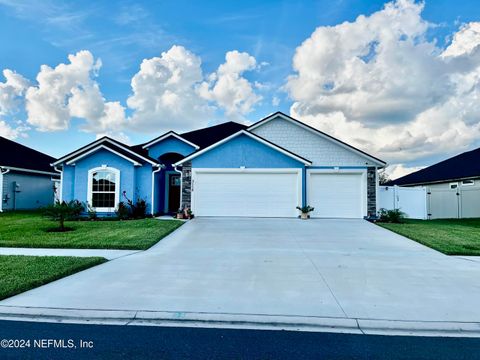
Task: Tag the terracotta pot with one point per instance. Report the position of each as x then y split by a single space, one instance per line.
304 216
179 216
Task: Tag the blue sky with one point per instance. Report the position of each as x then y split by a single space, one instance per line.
122 34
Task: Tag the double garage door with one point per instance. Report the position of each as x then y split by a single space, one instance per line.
276 193
254 193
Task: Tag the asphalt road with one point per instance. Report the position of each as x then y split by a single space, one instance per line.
135 342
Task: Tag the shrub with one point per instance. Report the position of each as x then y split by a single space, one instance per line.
138 210
122 211
92 213
305 209
391 216
61 211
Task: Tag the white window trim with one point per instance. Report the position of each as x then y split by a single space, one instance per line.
362 172
469 184
117 187
453 183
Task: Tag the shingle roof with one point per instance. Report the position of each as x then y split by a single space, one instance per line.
202 137
210 135
465 165
13 154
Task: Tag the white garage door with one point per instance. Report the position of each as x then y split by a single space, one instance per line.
246 193
337 195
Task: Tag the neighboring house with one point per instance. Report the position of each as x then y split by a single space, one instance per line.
27 180
452 186
264 170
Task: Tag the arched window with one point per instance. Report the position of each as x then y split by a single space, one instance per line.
103 189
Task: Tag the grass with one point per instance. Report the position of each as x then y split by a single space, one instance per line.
449 236
22 273
29 229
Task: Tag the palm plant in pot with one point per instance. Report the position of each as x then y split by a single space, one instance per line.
305 210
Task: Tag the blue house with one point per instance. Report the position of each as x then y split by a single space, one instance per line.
263 170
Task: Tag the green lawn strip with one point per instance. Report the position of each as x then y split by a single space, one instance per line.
29 229
449 236
22 273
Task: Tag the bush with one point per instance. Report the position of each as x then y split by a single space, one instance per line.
137 210
61 211
92 213
122 211
305 209
391 216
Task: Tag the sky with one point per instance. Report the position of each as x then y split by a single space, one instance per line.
399 79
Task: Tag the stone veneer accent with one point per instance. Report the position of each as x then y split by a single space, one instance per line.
371 191
186 201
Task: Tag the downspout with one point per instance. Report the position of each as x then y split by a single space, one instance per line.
1 187
181 184
160 167
61 182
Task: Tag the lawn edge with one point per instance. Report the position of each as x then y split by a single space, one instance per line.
92 261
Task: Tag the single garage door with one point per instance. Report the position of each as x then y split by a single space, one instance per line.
246 193
336 195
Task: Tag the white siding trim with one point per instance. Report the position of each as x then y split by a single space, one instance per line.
252 136
319 133
167 135
70 162
98 142
28 170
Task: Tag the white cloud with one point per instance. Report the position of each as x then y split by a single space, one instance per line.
70 90
229 89
399 170
164 92
12 133
11 91
380 84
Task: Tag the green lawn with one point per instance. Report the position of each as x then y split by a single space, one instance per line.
450 236
28 229
22 273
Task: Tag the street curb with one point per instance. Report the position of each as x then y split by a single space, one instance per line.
242 321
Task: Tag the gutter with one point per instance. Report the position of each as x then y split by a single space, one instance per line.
61 182
1 186
160 167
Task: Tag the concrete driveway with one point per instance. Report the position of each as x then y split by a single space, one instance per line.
326 268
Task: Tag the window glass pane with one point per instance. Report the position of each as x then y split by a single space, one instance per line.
103 189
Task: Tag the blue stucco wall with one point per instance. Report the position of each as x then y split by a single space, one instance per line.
168 145
244 151
33 191
68 182
136 181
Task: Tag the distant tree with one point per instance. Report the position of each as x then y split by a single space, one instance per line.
383 177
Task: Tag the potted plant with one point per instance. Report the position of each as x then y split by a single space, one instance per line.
305 210
180 213
188 213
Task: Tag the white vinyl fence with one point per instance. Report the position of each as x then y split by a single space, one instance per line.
410 200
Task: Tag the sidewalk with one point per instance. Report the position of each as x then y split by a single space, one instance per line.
105 253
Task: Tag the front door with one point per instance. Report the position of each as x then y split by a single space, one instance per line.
173 192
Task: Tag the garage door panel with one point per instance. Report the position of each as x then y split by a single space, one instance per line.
336 195
246 194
